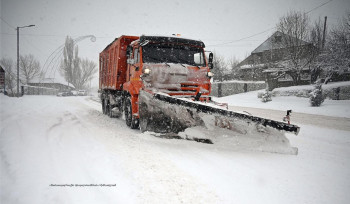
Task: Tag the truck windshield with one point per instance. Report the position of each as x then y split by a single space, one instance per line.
170 53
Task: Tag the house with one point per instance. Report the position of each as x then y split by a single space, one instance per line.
270 60
46 87
2 79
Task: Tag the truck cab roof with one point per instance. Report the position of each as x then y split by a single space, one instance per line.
171 39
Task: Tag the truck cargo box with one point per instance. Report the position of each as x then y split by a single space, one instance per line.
113 66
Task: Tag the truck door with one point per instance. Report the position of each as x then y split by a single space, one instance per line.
135 67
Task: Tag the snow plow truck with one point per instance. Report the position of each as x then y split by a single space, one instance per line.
162 85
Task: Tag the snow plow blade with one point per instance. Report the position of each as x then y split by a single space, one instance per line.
160 118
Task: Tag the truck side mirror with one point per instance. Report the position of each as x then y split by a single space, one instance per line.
210 63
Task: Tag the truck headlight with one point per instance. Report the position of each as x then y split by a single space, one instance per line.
210 74
146 71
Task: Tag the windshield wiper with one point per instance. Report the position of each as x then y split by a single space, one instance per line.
182 65
153 58
161 60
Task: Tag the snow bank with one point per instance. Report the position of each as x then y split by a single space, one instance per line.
328 86
305 90
337 108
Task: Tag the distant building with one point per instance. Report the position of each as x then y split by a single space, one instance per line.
268 58
45 87
2 79
49 83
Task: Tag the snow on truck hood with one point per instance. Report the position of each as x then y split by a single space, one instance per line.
171 75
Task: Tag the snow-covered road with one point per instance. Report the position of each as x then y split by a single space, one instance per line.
47 141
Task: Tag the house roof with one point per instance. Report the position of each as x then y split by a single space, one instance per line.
275 41
50 81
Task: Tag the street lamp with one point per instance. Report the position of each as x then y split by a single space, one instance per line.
18 55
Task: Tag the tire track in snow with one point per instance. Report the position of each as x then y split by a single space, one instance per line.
159 179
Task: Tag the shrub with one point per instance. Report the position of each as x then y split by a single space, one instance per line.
316 96
266 97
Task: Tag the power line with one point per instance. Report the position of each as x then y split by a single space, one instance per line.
243 38
32 45
7 23
318 6
267 29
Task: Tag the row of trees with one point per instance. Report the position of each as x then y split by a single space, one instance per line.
335 57
308 46
29 69
328 52
224 69
75 70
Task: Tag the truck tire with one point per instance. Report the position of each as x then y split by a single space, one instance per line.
130 120
143 120
110 112
107 108
103 106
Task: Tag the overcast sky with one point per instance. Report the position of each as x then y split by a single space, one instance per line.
220 24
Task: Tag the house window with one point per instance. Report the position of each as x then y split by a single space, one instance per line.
278 39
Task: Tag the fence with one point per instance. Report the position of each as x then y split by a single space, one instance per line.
38 90
220 89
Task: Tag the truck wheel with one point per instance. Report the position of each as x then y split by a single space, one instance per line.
130 120
107 109
110 112
103 107
143 119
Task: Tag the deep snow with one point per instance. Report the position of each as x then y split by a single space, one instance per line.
67 140
337 108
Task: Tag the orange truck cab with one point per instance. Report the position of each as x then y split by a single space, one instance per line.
157 64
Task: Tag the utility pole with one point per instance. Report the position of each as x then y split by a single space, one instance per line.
18 56
324 32
17 61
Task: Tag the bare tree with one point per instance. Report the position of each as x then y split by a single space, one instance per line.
339 45
315 57
67 64
232 65
334 58
87 72
10 75
294 27
316 35
29 68
219 67
75 70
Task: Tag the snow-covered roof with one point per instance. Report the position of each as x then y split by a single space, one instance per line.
50 81
45 80
275 41
239 81
252 66
274 70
